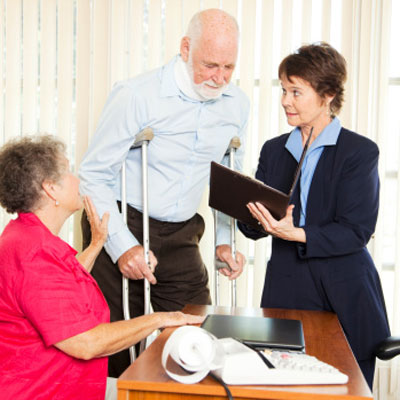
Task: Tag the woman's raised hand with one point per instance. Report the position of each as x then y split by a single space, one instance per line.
98 227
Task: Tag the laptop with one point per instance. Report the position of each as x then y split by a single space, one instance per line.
231 191
257 332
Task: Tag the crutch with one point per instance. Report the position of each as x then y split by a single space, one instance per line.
142 140
233 146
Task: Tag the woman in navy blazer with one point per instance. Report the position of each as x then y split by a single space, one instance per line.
319 258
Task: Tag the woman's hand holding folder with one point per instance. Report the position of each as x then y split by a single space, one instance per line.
283 229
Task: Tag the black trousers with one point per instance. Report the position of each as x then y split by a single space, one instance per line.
181 274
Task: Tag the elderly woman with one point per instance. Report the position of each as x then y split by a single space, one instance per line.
319 258
55 333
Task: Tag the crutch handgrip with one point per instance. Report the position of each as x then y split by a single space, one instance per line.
221 264
145 135
234 143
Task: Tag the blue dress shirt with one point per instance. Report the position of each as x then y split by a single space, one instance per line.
328 137
188 135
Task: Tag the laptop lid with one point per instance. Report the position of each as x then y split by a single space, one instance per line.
257 332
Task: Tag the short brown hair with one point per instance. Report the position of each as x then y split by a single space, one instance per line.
323 67
25 163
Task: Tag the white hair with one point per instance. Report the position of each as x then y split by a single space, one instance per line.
195 27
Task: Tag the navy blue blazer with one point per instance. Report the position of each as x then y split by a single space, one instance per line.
333 271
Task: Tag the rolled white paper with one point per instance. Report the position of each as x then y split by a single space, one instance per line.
195 350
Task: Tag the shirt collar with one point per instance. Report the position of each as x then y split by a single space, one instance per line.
32 219
328 137
170 88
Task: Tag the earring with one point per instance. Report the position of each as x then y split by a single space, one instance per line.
57 203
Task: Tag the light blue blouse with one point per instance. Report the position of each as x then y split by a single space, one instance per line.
328 137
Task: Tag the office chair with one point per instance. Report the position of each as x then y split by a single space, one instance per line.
388 348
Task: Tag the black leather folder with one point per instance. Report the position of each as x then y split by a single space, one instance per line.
231 191
257 332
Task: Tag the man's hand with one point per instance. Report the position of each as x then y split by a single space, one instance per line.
133 266
224 253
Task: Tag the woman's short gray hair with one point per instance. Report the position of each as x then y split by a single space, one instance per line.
25 163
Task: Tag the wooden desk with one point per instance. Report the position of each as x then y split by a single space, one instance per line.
324 338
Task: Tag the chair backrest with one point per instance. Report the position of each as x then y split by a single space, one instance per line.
388 348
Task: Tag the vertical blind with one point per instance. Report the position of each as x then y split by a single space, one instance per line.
60 58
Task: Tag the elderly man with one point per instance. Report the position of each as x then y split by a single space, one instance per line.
194 112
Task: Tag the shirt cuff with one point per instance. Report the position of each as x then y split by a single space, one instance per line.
223 230
119 243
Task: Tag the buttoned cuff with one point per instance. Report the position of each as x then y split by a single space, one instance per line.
119 243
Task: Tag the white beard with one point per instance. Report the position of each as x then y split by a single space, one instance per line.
206 89
183 72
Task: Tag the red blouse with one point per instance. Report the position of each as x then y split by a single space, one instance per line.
45 296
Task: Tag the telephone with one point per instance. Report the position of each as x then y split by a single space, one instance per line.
245 366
